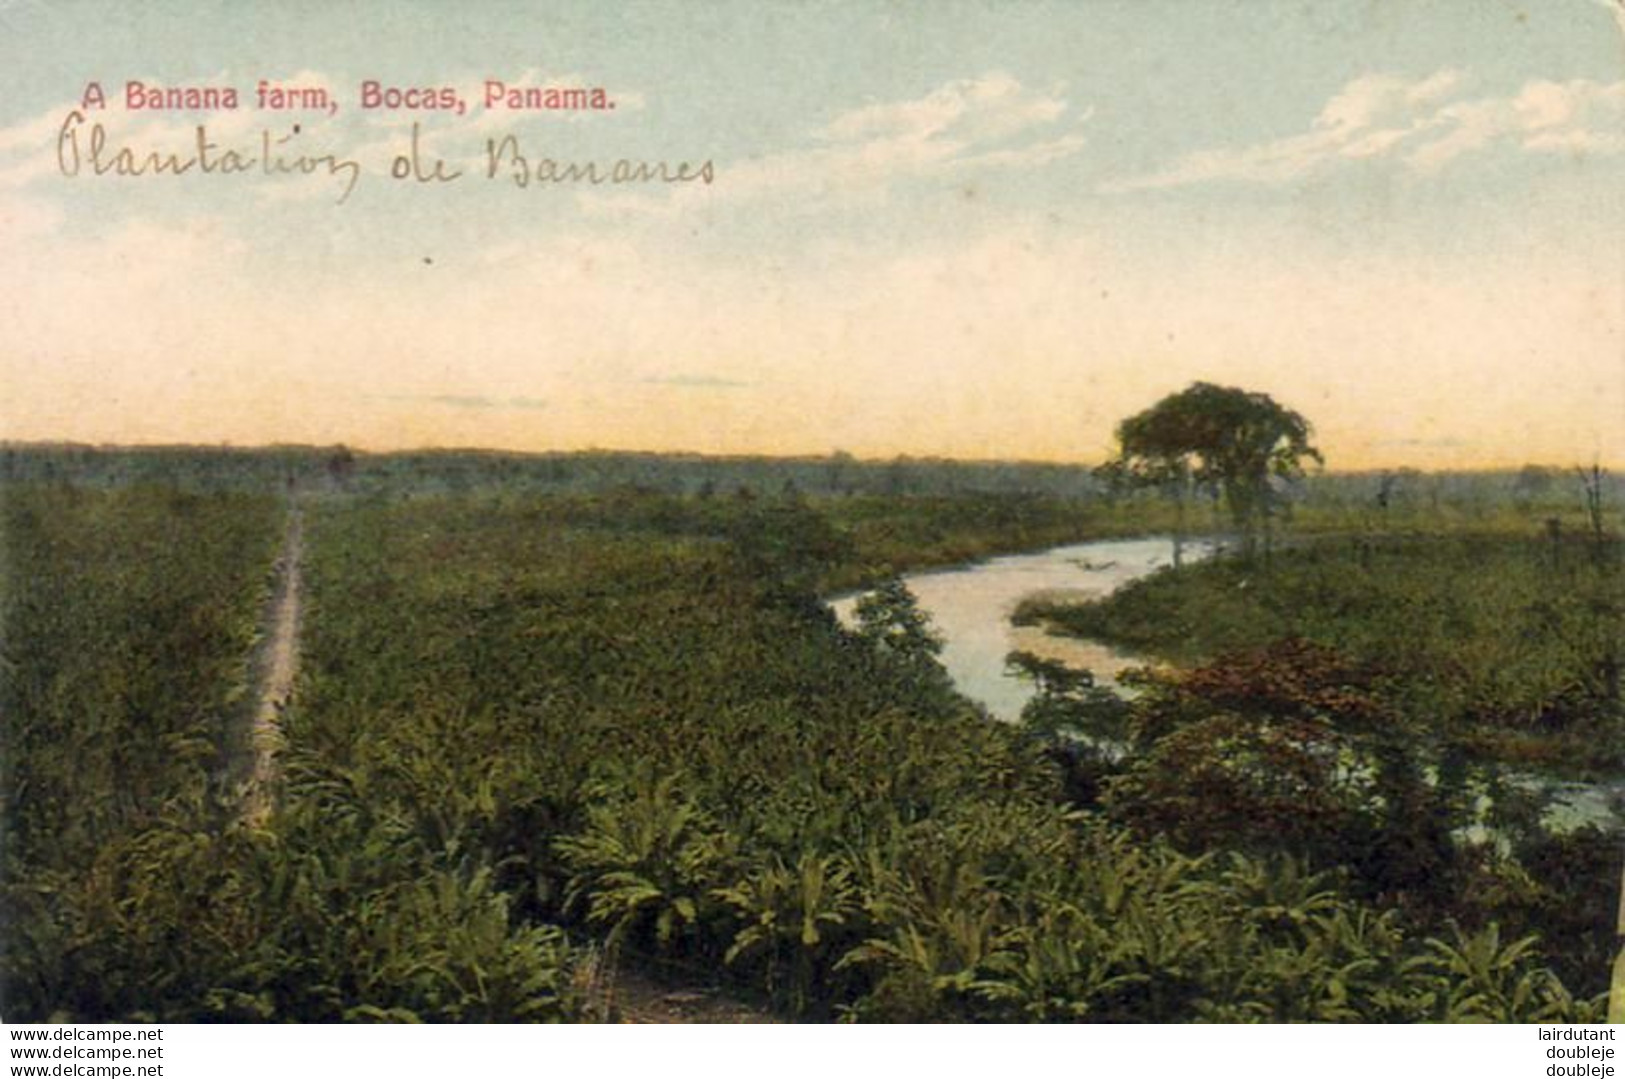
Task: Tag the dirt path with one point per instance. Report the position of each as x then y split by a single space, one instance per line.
635 998
253 767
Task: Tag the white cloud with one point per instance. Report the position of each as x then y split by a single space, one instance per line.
1384 101
1424 123
992 107
983 123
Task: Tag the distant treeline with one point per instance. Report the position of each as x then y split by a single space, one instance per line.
837 474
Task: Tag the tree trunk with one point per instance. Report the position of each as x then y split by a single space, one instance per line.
1179 528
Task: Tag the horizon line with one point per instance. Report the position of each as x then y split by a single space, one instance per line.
12 445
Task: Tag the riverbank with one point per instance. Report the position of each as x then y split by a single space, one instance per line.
1101 606
971 607
1508 646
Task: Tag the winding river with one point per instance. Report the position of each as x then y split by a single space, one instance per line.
970 608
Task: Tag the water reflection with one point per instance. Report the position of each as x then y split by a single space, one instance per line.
970 607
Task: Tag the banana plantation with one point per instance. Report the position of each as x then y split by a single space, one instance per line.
541 740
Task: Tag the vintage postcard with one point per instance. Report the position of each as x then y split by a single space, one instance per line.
894 512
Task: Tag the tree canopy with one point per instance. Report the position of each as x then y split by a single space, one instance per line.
1229 440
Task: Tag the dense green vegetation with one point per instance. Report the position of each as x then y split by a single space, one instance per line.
1507 644
687 755
128 618
131 888
1398 498
584 472
538 736
892 534
1370 703
1294 750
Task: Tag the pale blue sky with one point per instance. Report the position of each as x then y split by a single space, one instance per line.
973 229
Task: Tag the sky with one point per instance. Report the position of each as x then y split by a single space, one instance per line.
972 230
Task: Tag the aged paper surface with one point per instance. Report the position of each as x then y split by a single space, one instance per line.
387 390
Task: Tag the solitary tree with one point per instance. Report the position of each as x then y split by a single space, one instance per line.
1230 441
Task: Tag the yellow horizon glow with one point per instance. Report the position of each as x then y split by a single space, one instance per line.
987 352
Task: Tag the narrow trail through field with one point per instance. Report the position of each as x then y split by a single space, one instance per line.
636 998
275 667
